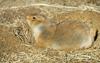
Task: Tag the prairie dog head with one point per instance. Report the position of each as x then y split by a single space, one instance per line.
39 21
34 20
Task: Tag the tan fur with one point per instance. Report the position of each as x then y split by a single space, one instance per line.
63 36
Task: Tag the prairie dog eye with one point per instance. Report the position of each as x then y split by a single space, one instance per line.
34 17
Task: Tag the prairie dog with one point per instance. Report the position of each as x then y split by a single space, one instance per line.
63 36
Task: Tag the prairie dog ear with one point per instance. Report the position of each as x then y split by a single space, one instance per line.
29 17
